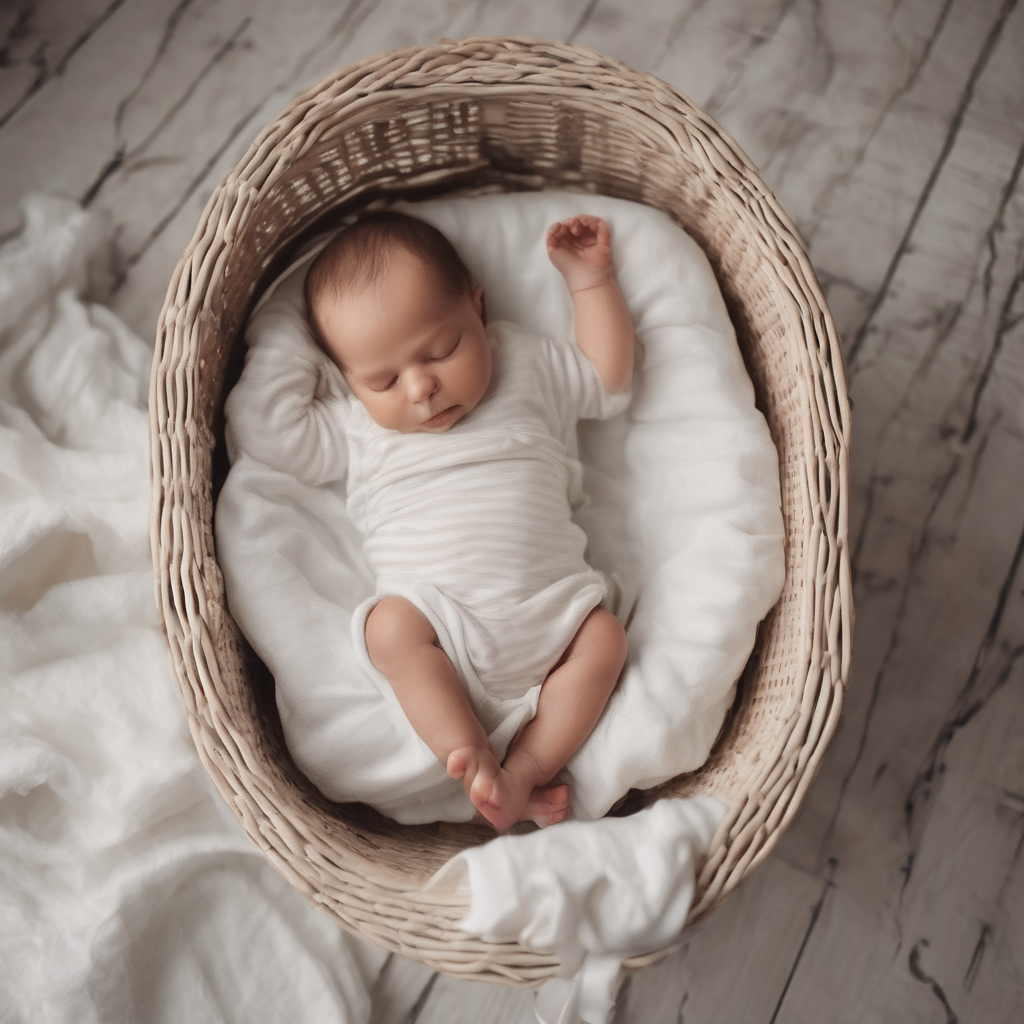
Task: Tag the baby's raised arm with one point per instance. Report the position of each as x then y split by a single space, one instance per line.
283 412
580 248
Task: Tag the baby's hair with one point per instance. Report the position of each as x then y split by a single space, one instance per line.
361 255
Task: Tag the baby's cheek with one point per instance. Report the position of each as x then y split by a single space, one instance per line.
381 412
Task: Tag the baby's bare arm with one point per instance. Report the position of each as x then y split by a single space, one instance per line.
580 248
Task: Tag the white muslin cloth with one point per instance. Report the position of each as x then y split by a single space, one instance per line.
682 512
596 892
128 893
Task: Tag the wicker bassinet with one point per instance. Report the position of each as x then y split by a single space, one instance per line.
477 115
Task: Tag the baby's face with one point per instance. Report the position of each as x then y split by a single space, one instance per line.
414 355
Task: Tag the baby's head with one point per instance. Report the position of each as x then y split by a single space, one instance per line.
394 306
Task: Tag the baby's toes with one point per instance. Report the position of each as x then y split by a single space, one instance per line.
548 806
557 796
459 762
555 815
549 815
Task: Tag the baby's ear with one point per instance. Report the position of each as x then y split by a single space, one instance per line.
480 303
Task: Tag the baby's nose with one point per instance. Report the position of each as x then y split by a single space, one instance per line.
422 384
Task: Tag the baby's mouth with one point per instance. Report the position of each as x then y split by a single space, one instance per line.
440 419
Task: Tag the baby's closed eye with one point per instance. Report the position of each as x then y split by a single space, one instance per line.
446 351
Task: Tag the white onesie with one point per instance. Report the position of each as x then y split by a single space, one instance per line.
474 526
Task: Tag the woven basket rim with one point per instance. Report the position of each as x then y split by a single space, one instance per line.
507 70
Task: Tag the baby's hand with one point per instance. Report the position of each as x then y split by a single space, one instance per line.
580 248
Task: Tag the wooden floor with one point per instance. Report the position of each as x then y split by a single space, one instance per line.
893 133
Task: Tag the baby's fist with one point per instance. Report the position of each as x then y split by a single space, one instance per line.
580 248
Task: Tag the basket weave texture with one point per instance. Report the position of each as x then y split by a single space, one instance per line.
479 115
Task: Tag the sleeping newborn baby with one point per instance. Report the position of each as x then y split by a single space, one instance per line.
463 478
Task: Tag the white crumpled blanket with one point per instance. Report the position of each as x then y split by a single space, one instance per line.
127 892
598 892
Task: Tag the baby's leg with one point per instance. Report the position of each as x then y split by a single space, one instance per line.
571 701
403 645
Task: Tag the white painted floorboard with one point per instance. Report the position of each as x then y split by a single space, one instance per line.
892 131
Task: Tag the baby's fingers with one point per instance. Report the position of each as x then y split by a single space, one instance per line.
598 227
589 229
556 234
575 225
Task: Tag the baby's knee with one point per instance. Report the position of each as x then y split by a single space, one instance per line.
394 628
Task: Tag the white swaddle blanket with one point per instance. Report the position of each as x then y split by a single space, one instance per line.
683 512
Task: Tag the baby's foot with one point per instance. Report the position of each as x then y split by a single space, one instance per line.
497 794
479 770
547 806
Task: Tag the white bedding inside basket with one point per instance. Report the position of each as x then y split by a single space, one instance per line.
684 513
